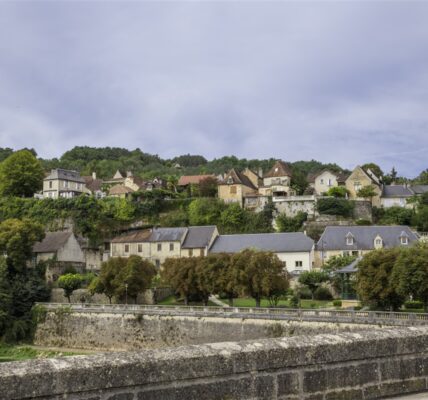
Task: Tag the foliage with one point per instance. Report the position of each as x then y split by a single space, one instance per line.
69 283
413 305
335 206
322 293
205 211
332 265
313 279
21 174
208 187
337 303
338 191
375 287
422 178
291 224
393 215
420 218
367 192
374 168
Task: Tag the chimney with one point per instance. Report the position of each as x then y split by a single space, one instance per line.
94 175
261 172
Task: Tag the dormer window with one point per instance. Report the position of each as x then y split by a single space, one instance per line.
229 180
349 239
404 238
276 169
378 242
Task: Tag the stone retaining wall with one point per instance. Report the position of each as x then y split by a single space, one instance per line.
366 365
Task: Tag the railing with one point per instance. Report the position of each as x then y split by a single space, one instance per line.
344 316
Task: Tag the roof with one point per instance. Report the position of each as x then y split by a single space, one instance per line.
396 191
52 242
119 189
350 268
276 242
235 177
193 179
419 189
167 234
340 176
280 168
334 237
65 174
198 237
92 184
134 236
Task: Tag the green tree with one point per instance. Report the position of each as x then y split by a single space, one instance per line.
258 273
335 206
332 265
208 187
367 192
313 280
374 168
374 285
69 283
233 218
205 211
422 178
338 191
21 174
410 273
290 224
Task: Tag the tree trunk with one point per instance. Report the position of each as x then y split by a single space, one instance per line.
109 299
231 301
186 301
257 302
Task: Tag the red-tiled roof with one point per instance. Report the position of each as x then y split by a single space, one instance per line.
279 169
120 189
192 179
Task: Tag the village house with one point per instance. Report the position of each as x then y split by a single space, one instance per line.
63 183
360 178
396 196
295 249
277 181
158 244
191 183
235 187
324 180
94 185
359 240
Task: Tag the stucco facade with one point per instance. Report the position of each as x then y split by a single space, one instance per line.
63 183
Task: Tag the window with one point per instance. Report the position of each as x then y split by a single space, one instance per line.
378 242
357 186
299 263
404 240
126 248
171 247
66 184
190 252
354 253
159 246
322 181
349 241
232 190
140 248
329 182
50 184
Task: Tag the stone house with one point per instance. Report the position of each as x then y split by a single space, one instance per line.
396 196
94 185
360 178
63 183
295 249
324 180
235 187
158 244
359 240
277 181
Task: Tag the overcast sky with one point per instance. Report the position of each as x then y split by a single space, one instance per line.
343 82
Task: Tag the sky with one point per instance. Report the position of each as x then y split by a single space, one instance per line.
343 82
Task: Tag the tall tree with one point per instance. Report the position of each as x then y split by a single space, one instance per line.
69 283
313 280
21 174
374 168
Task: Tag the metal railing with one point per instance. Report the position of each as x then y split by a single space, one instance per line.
342 316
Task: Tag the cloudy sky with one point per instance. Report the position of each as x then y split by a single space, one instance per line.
343 82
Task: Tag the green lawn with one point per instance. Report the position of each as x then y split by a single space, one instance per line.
249 302
18 353
172 301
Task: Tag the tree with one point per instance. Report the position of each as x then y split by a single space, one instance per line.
422 178
332 265
313 280
21 174
374 285
135 277
338 191
410 273
335 206
258 273
291 224
69 283
367 192
374 168
420 218
233 218
205 211
208 187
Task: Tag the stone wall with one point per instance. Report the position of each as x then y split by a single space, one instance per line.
113 331
368 365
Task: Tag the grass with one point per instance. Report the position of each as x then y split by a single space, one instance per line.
173 301
18 353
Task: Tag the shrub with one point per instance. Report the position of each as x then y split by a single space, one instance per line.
303 293
413 305
335 206
294 302
337 303
363 222
322 293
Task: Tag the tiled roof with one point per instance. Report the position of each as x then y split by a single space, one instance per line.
192 179
120 189
236 177
419 189
134 236
334 237
167 234
279 169
276 242
92 184
340 176
396 191
52 242
66 175
198 237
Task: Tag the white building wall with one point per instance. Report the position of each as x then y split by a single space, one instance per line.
290 260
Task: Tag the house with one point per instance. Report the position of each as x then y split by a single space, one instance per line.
295 249
94 185
359 240
63 249
324 180
419 189
277 181
158 244
360 178
187 180
396 196
63 183
120 191
235 187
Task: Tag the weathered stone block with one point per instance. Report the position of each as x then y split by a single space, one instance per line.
404 368
121 396
288 383
345 395
402 387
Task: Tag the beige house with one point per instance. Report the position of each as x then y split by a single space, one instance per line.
235 187
277 181
63 183
360 178
324 180
158 244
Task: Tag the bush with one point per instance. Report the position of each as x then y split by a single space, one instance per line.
294 302
303 293
413 305
337 303
357 308
322 293
335 206
363 222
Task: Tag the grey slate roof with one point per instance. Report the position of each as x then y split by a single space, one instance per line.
419 189
52 242
396 191
167 234
198 237
350 268
334 237
276 242
65 174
